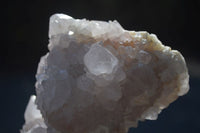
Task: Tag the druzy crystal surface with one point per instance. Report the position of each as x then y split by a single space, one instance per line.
100 78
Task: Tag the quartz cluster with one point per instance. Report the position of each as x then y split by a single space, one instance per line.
100 78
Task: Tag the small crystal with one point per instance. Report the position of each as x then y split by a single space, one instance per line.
99 61
34 122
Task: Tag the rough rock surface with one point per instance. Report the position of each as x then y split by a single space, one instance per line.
100 78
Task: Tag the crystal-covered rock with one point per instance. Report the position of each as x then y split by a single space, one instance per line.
100 78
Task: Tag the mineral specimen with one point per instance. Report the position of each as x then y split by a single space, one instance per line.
100 78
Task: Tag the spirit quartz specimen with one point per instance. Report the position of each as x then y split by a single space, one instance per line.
100 78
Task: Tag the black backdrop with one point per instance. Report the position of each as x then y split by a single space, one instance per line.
24 38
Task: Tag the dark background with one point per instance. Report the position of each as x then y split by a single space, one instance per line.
24 38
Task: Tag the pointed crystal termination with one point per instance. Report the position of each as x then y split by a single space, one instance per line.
100 78
34 122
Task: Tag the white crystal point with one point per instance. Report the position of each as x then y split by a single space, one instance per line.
58 24
99 60
34 122
98 77
32 113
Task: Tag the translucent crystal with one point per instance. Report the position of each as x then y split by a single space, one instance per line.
99 61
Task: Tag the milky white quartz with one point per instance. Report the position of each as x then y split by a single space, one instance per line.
100 78
34 122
